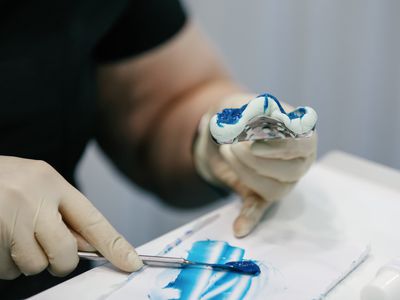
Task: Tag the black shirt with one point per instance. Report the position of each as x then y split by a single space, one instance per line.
48 53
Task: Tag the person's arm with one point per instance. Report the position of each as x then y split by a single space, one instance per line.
150 110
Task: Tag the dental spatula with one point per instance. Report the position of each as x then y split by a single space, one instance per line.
247 267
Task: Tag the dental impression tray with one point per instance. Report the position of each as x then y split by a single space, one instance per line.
263 118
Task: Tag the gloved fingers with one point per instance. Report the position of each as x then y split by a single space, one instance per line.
8 268
57 242
83 245
284 170
84 218
254 206
224 172
253 209
285 148
270 189
27 254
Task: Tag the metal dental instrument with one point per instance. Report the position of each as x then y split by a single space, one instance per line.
244 267
265 128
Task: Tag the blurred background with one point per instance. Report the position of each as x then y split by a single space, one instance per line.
340 57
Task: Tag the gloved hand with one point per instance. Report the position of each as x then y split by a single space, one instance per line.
260 172
44 220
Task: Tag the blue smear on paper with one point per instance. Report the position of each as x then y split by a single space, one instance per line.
204 283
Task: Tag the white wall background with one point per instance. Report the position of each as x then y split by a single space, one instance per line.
341 57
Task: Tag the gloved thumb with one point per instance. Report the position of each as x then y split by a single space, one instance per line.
83 218
253 209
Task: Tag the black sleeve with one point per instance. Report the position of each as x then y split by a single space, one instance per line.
143 25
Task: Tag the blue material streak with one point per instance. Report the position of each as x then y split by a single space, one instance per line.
296 114
203 283
266 96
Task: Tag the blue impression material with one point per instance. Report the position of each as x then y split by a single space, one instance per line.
297 114
230 116
266 96
204 283
245 266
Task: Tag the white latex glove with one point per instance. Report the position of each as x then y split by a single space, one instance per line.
260 172
44 220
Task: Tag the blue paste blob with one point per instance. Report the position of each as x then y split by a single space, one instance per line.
245 266
219 285
230 115
297 114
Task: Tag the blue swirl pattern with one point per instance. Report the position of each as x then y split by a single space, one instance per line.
203 283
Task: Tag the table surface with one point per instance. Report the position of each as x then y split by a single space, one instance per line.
377 223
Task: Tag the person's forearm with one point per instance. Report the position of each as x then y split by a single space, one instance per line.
159 158
170 153
150 108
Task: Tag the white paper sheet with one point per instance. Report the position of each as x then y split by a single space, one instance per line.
295 265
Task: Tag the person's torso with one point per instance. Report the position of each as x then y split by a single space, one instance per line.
47 78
